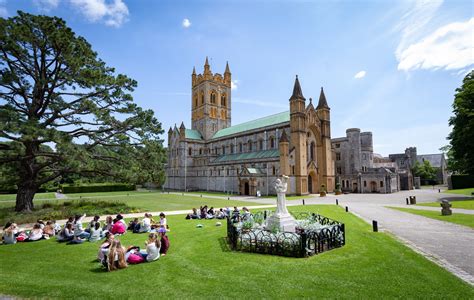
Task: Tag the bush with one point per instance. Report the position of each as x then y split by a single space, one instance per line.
462 181
97 188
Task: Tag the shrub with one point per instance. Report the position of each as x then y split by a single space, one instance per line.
97 188
462 181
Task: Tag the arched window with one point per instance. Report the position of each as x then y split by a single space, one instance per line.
273 170
241 148
190 151
260 145
195 100
223 149
232 148
311 150
202 97
213 97
223 100
249 143
200 151
272 142
215 150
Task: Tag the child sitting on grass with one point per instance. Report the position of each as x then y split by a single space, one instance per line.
66 234
79 232
153 246
116 256
96 233
92 223
36 233
109 238
9 234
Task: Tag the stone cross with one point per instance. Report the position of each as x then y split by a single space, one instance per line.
281 219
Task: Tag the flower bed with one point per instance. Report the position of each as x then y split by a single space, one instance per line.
314 234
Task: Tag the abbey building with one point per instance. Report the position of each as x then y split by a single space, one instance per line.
246 158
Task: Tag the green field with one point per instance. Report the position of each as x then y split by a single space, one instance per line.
143 201
200 266
12 197
467 192
464 204
457 218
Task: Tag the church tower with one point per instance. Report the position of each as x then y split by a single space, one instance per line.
298 137
326 165
211 101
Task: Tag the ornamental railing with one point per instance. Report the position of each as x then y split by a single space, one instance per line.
301 243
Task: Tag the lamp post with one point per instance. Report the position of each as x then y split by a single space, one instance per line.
267 179
224 180
185 167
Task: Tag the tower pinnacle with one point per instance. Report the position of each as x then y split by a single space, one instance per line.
322 100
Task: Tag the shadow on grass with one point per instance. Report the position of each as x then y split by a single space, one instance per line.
225 247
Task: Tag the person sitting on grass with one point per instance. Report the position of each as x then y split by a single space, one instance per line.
9 234
210 213
116 256
92 223
203 212
41 223
96 233
133 225
36 233
66 234
220 214
109 238
246 215
145 225
49 229
79 232
118 227
56 226
120 218
70 220
152 245
108 224
165 242
193 215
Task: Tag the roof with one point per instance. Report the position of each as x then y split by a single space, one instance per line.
248 155
255 171
322 100
434 159
192 134
254 124
297 93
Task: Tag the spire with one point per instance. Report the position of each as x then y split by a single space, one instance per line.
283 138
170 131
227 69
194 70
206 63
182 126
207 68
322 100
297 93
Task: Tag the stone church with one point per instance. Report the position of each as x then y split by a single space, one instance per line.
247 158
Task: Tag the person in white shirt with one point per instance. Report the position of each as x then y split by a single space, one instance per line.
162 220
145 225
79 232
36 233
153 245
9 234
96 233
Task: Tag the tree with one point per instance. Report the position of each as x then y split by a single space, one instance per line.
425 171
462 135
62 109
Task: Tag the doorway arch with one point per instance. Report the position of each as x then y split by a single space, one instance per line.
246 188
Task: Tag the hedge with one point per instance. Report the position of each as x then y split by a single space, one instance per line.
462 181
113 187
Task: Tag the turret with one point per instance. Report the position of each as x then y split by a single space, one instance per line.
227 75
193 76
170 133
207 70
182 131
324 115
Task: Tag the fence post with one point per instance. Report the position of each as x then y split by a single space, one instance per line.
303 244
343 229
303 201
347 209
375 226
337 202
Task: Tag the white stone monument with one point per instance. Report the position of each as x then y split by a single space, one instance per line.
281 219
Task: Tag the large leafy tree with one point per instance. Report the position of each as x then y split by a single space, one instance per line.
62 109
424 170
462 136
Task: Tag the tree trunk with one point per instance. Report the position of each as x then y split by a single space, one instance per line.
24 197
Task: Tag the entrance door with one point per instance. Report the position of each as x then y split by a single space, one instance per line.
373 187
354 187
310 184
246 188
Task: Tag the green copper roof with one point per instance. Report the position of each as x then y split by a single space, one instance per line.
248 155
192 134
254 124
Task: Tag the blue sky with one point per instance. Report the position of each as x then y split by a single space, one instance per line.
390 67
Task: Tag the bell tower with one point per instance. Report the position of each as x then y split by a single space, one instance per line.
211 101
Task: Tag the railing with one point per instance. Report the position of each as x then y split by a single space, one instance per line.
295 244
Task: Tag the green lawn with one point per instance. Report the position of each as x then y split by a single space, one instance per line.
461 219
199 265
289 197
464 204
12 197
144 201
461 191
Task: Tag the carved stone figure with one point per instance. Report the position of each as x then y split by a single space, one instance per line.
281 219
446 208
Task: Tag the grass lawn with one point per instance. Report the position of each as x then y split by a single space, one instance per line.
199 265
289 197
464 204
461 219
144 201
12 197
461 191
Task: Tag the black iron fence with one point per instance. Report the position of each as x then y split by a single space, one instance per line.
301 243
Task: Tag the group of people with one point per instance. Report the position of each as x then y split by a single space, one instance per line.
113 255
111 252
204 213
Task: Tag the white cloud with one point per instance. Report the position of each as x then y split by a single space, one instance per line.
112 13
46 5
360 75
234 84
449 47
414 21
186 23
